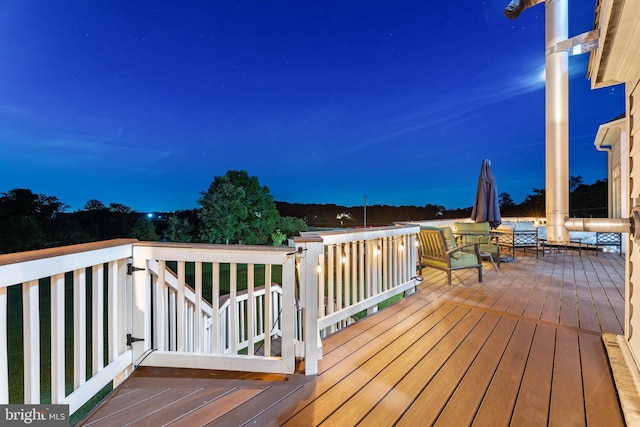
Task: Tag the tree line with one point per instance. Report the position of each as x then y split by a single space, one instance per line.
234 209
584 201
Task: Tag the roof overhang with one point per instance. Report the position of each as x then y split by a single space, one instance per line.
617 58
609 133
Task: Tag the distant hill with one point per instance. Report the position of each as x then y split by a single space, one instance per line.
331 215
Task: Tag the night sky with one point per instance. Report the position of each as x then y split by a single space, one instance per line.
144 102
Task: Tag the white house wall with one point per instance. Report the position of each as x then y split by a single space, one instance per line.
632 328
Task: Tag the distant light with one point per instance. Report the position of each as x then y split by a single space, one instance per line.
150 215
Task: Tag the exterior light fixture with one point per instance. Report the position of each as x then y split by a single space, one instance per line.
515 8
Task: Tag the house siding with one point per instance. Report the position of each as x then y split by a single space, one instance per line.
632 331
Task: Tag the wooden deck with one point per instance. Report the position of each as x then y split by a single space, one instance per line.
521 348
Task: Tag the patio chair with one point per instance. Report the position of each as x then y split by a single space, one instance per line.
471 232
438 249
608 239
518 235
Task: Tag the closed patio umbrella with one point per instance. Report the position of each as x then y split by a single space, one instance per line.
486 206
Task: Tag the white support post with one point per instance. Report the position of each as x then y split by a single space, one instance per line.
181 311
197 316
57 338
123 299
233 307
251 309
4 356
31 332
269 313
97 318
140 326
557 120
79 327
112 307
215 309
310 249
160 307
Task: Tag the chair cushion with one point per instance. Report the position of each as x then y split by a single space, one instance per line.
487 245
449 239
478 227
463 259
447 235
434 263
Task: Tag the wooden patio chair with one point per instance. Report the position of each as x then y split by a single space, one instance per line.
438 249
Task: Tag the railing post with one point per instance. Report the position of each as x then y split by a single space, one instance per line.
57 338
310 248
4 354
31 331
141 304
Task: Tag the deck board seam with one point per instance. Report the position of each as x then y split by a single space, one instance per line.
470 364
429 330
431 351
519 317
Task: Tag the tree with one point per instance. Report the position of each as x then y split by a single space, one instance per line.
534 204
19 201
575 182
19 232
26 219
178 229
120 208
505 200
278 237
144 230
94 205
236 209
588 201
49 206
223 212
291 226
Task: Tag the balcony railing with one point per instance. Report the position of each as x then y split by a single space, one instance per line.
82 317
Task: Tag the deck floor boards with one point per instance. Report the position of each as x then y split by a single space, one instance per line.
523 347
532 406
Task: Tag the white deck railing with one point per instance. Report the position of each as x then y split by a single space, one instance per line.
124 303
181 331
358 269
57 282
171 291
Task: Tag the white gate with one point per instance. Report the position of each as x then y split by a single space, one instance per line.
175 325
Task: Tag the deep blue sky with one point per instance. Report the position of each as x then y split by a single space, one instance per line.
145 102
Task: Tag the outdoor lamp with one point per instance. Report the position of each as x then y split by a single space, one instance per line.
515 8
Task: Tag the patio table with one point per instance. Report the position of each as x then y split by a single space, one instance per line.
465 237
545 243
